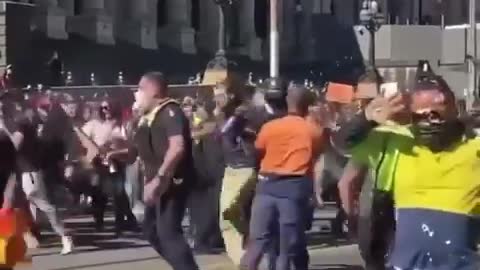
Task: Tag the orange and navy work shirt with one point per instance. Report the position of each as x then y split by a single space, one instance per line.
289 146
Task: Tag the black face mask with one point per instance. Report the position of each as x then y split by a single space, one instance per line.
437 136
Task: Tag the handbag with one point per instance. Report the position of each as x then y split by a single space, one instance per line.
13 224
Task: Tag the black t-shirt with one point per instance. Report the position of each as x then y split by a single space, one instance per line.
238 145
152 142
208 159
29 157
57 132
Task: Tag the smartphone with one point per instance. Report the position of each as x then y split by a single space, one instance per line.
389 89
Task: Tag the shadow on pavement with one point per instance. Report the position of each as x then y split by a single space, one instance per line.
336 267
98 246
88 239
85 235
319 241
107 264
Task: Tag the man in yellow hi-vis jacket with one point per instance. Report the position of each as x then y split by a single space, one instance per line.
434 183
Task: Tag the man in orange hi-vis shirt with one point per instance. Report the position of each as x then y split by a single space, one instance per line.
287 148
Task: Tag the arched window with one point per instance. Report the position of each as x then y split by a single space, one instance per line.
162 13
261 18
77 7
195 15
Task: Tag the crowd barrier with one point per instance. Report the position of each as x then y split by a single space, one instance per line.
121 93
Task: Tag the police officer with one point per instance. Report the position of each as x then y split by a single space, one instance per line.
164 143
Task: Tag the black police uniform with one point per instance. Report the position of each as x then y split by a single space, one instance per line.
163 221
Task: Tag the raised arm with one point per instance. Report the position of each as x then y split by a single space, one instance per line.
378 112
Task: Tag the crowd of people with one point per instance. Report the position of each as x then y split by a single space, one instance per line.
251 165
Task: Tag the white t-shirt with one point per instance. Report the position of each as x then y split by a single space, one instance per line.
103 132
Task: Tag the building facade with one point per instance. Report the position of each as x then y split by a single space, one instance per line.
192 25
311 30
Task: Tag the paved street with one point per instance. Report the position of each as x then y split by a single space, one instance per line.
101 251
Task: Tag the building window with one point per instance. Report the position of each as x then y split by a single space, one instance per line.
261 18
162 13
195 15
77 7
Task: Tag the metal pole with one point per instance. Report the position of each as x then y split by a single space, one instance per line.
221 31
274 40
472 55
420 11
372 47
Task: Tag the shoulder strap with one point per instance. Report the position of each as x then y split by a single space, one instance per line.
151 116
164 104
158 109
381 160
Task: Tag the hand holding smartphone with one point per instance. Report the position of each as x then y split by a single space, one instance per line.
389 89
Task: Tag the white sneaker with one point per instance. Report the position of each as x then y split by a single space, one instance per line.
89 200
82 200
67 244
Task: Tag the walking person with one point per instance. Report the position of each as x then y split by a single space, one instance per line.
133 181
25 137
8 181
108 134
205 196
241 123
288 147
164 144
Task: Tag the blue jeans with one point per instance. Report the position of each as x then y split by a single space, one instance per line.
274 248
282 219
435 240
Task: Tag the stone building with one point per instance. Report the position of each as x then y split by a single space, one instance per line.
312 31
189 25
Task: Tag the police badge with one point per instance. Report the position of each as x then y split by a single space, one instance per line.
40 130
177 181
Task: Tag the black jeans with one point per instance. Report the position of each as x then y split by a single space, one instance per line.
163 229
204 205
376 231
124 217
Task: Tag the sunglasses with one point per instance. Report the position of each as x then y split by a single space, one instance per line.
44 107
105 108
431 116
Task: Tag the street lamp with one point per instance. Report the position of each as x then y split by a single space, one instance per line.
372 19
220 61
275 84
